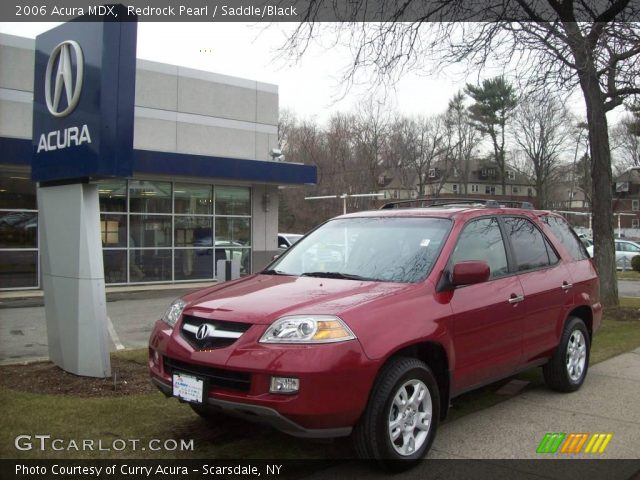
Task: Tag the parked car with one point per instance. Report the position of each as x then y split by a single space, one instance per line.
625 251
587 242
376 320
286 240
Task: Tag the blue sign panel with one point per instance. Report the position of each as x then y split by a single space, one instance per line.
83 101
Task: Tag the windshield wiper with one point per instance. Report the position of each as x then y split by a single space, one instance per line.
272 271
346 276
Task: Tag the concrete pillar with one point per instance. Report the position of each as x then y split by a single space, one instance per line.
73 279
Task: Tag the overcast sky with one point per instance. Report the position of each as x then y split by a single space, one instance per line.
310 87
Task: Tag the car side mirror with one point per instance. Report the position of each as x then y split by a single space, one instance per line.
470 272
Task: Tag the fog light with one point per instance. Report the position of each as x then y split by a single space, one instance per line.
284 385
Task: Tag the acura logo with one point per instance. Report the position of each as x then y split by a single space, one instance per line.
204 331
64 78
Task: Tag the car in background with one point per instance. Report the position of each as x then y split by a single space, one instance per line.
286 240
625 249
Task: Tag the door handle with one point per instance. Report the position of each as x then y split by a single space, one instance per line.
515 298
566 285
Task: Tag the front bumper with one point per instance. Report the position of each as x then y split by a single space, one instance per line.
263 415
335 380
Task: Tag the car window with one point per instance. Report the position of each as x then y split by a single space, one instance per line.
530 247
481 240
565 234
633 248
386 249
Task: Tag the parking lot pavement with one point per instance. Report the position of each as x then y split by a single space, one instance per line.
512 430
628 288
23 333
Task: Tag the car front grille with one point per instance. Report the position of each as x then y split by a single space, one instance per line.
219 333
217 377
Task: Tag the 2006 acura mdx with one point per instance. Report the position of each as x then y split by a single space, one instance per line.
374 321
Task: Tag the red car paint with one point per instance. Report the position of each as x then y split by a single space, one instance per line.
483 336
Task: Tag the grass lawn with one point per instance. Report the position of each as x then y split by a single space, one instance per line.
151 416
629 275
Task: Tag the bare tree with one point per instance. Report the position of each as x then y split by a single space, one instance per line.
627 137
465 137
541 122
427 142
593 45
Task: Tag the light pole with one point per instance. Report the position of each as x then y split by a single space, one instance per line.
344 197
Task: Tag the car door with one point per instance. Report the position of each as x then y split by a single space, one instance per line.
546 283
486 334
625 251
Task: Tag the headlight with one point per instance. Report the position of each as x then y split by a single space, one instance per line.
307 329
174 311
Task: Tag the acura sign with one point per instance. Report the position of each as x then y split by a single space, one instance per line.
64 81
64 78
84 91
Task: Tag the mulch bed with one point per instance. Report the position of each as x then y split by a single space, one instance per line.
127 378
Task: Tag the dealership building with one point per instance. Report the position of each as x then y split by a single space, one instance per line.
204 185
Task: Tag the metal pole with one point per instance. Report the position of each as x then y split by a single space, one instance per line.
344 204
619 225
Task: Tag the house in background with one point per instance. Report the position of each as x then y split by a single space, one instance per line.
483 181
626 200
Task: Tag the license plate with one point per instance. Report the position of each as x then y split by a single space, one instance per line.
188 388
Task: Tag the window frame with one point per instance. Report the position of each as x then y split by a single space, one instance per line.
510 248
449 264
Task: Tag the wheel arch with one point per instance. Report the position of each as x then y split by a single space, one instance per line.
435 356
586 315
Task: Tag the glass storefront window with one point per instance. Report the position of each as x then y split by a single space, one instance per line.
193 231
227 252
115 266
149 265
18 229
18 269
233 200
113 230
150 231
17 191
149 197
192 199
234 230
192 264
113 195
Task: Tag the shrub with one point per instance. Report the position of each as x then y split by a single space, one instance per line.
635 263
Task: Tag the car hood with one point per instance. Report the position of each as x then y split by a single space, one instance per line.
261 299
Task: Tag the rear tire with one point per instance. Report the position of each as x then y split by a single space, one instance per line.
567 369
401 419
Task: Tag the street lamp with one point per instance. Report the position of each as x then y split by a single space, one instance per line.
344 197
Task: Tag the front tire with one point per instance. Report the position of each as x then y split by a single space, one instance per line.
401 419
567 369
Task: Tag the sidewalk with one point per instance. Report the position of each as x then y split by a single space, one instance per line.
608 402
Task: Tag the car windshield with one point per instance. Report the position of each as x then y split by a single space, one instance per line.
385 249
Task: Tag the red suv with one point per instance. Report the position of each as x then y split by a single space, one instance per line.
370 324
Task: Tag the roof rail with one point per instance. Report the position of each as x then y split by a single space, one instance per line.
441 202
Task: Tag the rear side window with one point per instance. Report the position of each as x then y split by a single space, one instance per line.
567 237
481 240
530 247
